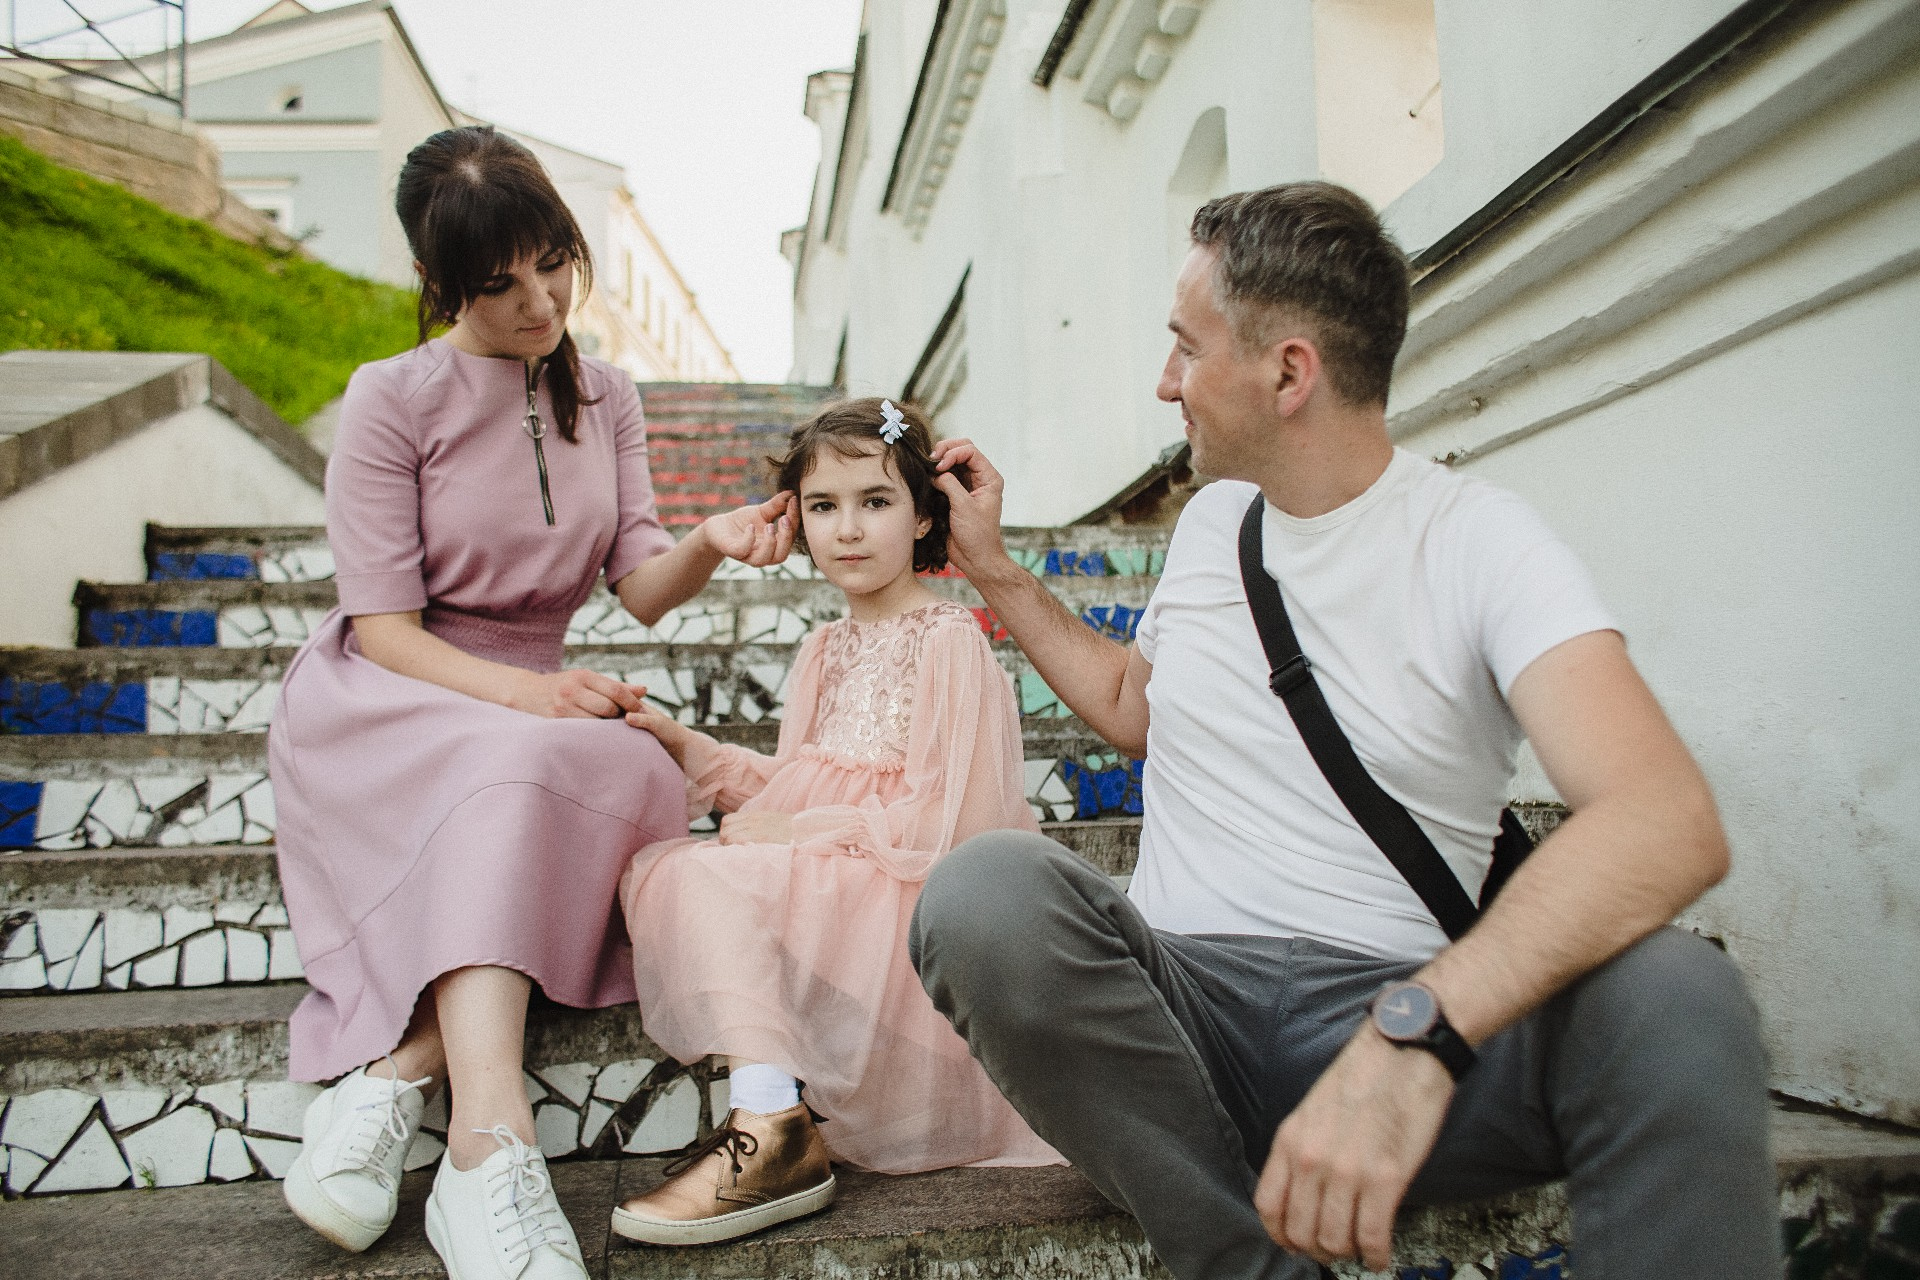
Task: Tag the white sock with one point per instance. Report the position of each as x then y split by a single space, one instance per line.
761 1089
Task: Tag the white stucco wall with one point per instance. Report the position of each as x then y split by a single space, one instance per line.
88 521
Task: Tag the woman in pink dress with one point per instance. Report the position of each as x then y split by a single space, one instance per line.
455 811
782 944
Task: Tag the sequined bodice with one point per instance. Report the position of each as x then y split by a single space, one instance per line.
867 677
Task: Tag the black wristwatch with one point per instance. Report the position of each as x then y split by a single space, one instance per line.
1408 1014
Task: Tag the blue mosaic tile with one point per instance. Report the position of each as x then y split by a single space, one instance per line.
19 812
140 628
1115 621
1550 1264
176 566
1104 785
27 706
1076 564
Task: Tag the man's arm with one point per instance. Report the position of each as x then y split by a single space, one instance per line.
1102 682
1644 840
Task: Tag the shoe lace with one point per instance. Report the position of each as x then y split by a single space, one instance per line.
533 1216
735 1142
381 1126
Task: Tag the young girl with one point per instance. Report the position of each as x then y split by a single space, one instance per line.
782 944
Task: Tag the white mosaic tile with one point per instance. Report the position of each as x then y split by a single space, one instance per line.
719 1099
157 793
22 1168
279 1106
92 1163
174 1150
284 961
45 1122
271 914
160 969
234 912
184 922
61 823
229 1161
618 1080
132 932
671 1122
598 1113
556 1129
572 1080
118 978
22 942
247 956
129 1107
274 1155
203 960
536 1091
87 966
29 974
229 1098
116 816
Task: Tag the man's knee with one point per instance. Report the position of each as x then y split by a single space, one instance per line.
986 903
1676 1011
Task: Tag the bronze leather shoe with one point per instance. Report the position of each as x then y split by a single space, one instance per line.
750 1173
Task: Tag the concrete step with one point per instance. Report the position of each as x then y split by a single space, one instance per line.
142 919
192 1086
210 689
256 614
291 553
1847 1200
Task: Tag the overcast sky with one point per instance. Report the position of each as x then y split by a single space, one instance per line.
699 99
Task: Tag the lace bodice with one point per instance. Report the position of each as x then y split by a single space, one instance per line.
867 679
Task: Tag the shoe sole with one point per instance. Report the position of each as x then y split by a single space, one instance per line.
311 1205
728 1226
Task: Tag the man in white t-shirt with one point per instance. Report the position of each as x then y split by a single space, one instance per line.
1270 1043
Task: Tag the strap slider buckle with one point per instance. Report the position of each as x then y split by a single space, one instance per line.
1290 675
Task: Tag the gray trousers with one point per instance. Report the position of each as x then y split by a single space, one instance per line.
1161 1064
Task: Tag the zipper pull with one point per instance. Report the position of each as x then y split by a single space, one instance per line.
537 430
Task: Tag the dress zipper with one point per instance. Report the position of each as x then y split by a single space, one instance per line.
538 431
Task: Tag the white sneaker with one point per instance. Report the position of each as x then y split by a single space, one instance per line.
345 1183
501 1220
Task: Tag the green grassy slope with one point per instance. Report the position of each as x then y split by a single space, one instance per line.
85 266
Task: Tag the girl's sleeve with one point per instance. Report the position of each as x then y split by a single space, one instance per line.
373 501
963 767
640 536
723 776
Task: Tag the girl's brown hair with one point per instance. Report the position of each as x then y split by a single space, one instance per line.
474 203
851 429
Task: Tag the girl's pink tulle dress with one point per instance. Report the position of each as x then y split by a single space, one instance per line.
901 739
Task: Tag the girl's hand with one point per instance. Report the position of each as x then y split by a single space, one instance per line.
673 735
575 695
756 535
758 827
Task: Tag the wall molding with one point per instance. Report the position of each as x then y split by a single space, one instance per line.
1117 49
959 51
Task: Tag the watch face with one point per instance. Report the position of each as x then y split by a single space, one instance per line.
1405 1011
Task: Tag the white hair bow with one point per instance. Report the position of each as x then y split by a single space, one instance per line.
895 423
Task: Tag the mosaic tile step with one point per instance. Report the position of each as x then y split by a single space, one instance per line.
729 610
297 553
209 689
137 919
170 1089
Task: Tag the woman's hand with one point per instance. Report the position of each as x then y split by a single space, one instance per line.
757 827
757 535
673 735
574 695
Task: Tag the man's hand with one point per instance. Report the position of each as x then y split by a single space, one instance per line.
1342 1161
757 534
974 492
758 827
574 695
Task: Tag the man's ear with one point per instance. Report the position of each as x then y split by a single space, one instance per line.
1296 372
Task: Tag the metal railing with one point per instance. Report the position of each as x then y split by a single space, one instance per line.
141 45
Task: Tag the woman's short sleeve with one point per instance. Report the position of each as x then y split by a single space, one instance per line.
640 536
373 500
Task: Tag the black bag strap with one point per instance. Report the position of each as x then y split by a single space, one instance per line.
1384 819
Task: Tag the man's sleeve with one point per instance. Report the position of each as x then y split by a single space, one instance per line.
1531 592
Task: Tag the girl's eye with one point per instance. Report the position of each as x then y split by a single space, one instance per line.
496 286
820 506
877 503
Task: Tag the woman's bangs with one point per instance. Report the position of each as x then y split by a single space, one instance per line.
490 229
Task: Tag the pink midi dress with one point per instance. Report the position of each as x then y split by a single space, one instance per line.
422 830
899 741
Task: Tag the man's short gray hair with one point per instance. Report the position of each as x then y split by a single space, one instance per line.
1312 253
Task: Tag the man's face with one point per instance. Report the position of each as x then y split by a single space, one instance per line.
1225 394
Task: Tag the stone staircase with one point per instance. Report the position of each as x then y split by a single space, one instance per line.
147 969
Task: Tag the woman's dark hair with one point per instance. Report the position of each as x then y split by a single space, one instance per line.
851 429
474 203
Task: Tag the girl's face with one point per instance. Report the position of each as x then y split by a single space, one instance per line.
861 526
520 313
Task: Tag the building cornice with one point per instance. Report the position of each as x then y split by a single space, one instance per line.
1117 49
959 50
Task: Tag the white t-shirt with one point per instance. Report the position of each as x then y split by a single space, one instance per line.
1417 603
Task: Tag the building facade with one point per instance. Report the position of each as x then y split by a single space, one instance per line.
313 114
1668 288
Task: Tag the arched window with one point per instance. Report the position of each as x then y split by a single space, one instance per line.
1376 89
